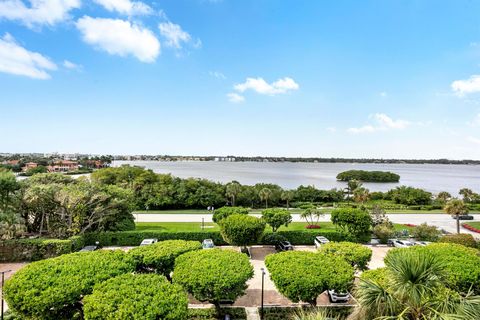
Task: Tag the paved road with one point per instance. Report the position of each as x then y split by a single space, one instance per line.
443 221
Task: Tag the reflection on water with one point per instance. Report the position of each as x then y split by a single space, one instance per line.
431 177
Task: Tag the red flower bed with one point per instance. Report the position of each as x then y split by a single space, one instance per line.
471 228
410 225
312 226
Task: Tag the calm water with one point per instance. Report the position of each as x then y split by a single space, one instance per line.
431 177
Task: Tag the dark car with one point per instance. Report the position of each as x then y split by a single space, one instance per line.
463 217
283 246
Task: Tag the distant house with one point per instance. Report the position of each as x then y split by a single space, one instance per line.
29 165
63 166
96 164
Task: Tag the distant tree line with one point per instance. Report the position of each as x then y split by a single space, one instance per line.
368 176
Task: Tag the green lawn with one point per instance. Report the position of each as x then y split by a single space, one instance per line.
475 224
196 226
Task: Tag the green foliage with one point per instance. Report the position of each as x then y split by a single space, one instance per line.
53 288
36 170
464 239
216 314
424 232
357 255
462 264
379 276
276 218
292 313
311 214
242 230
368 176
161 256
213 275
223 212
303 276
383 232
312 194
354 223
410 196
137 297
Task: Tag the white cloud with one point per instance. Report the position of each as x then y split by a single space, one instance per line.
383 123
39 12
235 97
262 87
463 87
217 74
174 34
15 59
72 66
475 122
331 129
126 7
473 140
120 37
383 94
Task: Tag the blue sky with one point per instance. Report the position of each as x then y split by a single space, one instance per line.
379 78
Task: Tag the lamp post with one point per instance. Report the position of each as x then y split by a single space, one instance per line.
261 301
3 280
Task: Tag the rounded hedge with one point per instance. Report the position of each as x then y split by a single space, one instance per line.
464 239
303 276
242 230
223 212
462 264
53 288
357 255
213 275
160 256
136 297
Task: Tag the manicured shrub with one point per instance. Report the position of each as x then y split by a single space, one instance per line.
464 239
462 264
215 314
213 275
242 230
357 255
276 218
424 232
53 288
379 275
354 223
223 212
303 276
161 256
136 297
383 232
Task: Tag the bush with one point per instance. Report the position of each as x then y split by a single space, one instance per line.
464 239
289 313
37 249
368 176
383 232
462 264
357 255
213 275
161 256
354 223
215 314
53 288
379 276
303 276
137 297
410 196
223 212
424 232
276 218
242 230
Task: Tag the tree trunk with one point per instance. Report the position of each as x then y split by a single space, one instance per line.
233 201
288 205
458 223
266 204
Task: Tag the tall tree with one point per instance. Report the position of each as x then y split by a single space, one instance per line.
467 194
361 194
232 190
456 207
265 195
287 196
352 185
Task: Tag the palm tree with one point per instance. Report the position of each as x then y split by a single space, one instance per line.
317 314
413 289
232 190
287 196
361 194
264 195
352 185
456 207
312 215
444 196
467 194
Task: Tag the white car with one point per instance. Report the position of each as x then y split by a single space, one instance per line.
319 240
208 244
146 242
402 244
421 243
338 296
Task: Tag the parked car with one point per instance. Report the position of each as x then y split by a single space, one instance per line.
463 217
338 296
283 246
146 242
89 248
208 244
319 240
401 243
421 243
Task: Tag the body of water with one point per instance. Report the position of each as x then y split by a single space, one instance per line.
431 177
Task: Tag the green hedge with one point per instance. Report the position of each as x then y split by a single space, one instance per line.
38 249
134 238
287 313
211 314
